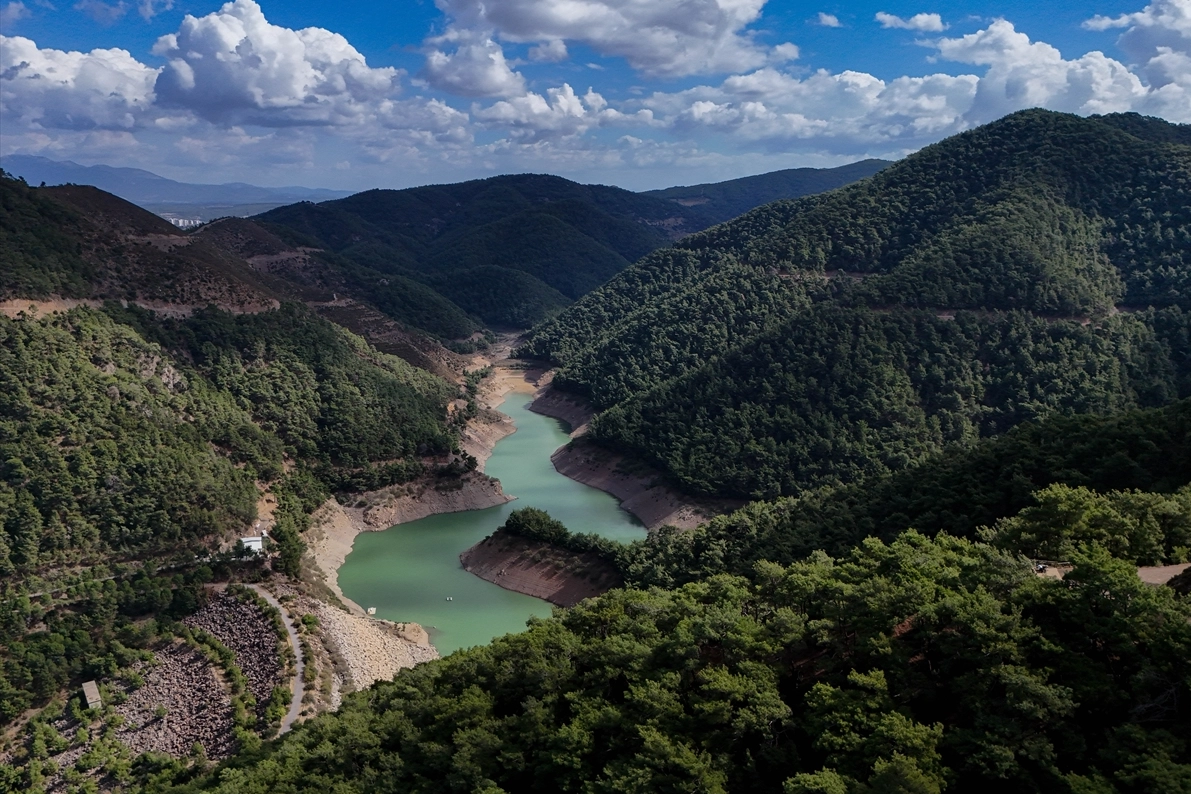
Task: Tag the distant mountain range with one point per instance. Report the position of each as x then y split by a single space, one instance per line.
158 193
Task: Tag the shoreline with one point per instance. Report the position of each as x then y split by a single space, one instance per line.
640 488
335 527
560 577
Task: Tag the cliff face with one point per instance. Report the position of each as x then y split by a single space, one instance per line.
538 569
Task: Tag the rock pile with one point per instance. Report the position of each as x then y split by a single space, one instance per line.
250 635
373 650
196 706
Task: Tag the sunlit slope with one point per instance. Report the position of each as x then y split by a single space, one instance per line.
1039 264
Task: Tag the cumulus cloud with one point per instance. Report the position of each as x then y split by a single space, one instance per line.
1023 74
561 112
829 20
927 23
663 37
849 111
476 68
553 51
13 12
1158 40
233 66
52 89
853 111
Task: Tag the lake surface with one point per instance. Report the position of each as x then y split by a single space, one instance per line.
408 571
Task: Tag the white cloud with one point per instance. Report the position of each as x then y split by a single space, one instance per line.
829 20
233 66
1158 40
13 12
52 89
151 8
237 91
1024 74
476 68
927 23
662 37
561 112
847 112
854 112
553 51
231 145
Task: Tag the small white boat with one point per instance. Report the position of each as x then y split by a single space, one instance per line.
449 598
371 610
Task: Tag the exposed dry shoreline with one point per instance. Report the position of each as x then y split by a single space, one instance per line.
540 570
640 488
373 649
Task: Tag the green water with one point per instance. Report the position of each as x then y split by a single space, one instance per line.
407 572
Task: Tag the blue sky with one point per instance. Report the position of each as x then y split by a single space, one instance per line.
641 94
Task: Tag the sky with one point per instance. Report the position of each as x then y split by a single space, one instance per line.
638 93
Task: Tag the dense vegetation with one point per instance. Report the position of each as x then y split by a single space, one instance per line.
1144 456
38 254
925 375
717 202
148 434
909 667
953 295
835 395
91 629
126 436
513 250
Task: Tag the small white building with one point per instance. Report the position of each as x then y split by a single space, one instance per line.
91 695
256 545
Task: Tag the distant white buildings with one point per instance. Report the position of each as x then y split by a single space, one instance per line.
184 223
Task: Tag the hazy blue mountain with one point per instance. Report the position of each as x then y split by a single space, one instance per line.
146 188
715 202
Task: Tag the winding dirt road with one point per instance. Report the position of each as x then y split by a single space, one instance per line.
295 685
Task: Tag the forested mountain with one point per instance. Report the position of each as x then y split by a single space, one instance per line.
975 359
1036 265
900 663
77 241
126 433
916 666
716 202
513 250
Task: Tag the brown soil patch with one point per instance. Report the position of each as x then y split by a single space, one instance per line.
539 569
1161 574
640 488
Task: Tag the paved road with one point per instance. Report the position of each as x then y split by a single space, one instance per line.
296 689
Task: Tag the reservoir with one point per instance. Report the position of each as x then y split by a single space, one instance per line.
409 571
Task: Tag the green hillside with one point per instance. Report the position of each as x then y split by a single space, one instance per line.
127 434
565 237
996 277
76 241
916 666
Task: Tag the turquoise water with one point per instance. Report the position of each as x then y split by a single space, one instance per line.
408 571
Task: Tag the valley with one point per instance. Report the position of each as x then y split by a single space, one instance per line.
826 481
